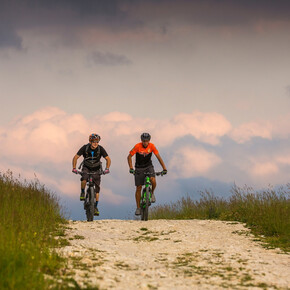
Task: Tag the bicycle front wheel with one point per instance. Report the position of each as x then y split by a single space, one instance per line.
145 210
90 207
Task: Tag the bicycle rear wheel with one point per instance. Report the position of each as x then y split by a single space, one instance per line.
90 206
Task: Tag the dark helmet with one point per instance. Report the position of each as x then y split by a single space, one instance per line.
94 137
145 137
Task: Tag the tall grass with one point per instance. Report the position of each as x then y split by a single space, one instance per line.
29 215
266 212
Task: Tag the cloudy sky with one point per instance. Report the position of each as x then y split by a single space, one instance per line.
210 80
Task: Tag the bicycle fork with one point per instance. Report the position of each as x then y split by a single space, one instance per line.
144 193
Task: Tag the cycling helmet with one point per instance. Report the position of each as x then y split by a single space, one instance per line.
145 137
94 137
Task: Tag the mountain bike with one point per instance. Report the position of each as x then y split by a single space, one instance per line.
90 199
146 195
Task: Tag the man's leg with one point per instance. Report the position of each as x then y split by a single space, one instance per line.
96 205
138 195
153 182
138 198
84 182
97 180
83 186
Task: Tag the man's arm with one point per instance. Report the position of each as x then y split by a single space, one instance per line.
160 161
74 161
130 163
108 162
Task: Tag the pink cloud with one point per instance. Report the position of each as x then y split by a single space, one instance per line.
206 127
281 127
51 137
191 162
262 169
267 168
45 142
265 129
283 159
249 130
44 136
117 117
43 115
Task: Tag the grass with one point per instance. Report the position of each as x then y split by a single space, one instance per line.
78 237
145 239
30 227
266 212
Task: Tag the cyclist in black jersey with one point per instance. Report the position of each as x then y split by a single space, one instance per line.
92 153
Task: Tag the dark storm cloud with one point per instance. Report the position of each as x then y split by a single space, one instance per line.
108 59
9 38
131 13
60 15
70 13
118 15
218 13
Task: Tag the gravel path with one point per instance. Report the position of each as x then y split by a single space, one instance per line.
171 254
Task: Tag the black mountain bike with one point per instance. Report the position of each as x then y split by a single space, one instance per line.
90 199
146 195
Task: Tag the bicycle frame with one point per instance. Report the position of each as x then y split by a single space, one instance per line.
147 182
146 194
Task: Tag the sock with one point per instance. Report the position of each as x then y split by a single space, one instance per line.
97 203
83 190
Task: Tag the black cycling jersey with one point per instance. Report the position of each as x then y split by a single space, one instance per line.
92 156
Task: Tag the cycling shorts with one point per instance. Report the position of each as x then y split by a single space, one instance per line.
140 176
96 177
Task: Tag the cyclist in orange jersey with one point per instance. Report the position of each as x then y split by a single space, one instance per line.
143 163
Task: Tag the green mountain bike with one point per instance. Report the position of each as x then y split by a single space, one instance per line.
146 195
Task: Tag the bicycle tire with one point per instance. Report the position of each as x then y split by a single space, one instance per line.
142 205
90 207
146 208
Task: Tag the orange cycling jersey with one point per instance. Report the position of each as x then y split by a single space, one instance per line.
143 155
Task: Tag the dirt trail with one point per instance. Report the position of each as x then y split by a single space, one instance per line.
170 254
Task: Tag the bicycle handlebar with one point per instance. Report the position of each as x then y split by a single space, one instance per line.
149 173
91 173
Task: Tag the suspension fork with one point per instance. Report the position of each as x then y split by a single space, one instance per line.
147 185
148 182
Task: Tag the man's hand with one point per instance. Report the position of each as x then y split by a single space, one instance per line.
164 171
74 171
132 171
106 171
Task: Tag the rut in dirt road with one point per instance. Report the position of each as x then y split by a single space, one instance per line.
176 254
